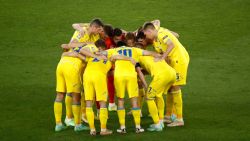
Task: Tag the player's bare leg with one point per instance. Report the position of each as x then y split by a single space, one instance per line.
97 110
111 91
177 99
140 98
58 112
103 119
136 112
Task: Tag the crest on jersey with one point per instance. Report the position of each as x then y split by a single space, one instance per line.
178 76
165 37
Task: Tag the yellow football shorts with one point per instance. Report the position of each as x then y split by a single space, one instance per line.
123 83
95 87
180 64
160 84
68 78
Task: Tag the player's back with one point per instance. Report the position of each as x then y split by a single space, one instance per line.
126 68
76 62
95 66
155 68
73 61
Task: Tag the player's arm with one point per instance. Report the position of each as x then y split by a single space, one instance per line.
137 67
141 76
170 47
151 53
87 52
113 58
74 41
156 22
84 51
78 26
75 38
175 34
74 54
72 45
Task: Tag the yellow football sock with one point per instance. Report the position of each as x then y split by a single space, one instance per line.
160 107
83 105
58 111
103 117
121 116
177 99
169 104
90 117
137 116
141 97
68 105
76 109
153 111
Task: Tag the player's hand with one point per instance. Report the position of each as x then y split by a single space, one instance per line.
102 57
65 46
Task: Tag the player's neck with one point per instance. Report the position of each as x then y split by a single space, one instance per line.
89 31
155 34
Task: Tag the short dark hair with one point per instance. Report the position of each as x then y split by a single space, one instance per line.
100 43
148 25
139 45
139 29
140 35
130 36
108 29
120 43
117 32
97 22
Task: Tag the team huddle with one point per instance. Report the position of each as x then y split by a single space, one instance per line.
101 62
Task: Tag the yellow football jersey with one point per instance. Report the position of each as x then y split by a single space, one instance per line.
90 46
155 68
76 61
160 44
95 79
125 67
97 66
86 37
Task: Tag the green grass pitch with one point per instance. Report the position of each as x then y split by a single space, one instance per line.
215 33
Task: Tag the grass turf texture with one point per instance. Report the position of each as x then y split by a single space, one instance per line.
215 33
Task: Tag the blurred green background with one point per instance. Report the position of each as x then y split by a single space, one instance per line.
215 33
